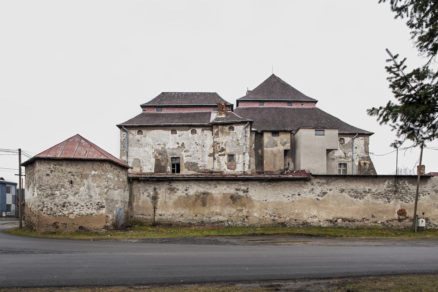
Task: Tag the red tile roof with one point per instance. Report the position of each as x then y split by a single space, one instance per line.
77 148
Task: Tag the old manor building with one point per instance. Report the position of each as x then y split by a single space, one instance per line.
192 158
274 129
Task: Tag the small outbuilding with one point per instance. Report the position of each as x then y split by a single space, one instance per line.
75 185
8 192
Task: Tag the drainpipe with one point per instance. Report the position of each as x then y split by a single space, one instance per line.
127 142
352 153
244 147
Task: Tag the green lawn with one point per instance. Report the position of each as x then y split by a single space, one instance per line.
137 232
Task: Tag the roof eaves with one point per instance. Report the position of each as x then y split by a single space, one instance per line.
33 159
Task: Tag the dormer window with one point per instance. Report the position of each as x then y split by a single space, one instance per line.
159 109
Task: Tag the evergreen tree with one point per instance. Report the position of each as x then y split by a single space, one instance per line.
414 114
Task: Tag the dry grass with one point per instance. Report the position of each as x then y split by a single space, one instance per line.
399 283
138 232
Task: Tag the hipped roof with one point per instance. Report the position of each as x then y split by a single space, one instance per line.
275 89
182 119
186 99
292 119
76 148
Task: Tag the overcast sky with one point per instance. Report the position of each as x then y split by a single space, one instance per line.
70 67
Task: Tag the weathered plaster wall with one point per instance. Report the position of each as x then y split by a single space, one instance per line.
275 104
75 195
311 150
273 152
183 109
362 161
232 139
325 200
151 149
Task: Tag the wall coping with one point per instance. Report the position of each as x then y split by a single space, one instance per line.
182 177
257 177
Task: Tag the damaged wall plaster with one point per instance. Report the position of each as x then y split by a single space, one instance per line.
75 195
322 201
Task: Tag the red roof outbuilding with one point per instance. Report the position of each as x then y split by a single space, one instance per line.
77 148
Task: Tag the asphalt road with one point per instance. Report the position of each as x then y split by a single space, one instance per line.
31 262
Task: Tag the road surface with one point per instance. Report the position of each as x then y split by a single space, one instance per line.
32 262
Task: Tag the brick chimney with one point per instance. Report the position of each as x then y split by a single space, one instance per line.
221 108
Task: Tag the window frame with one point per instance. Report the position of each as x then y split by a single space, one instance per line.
175 164
275 133
232 157
319 132
342 166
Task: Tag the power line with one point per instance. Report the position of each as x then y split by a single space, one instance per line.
7 168
15 151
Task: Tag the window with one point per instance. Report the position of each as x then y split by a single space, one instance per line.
289 104
341 141
159 109
261 103
8 208
319 132
231 158
176 166
215 109
230 128
193 131
8 189
140 132
275 134
173 131
342 168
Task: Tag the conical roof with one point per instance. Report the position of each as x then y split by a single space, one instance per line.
77 148
275 89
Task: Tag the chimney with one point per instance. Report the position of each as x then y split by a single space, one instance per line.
221 108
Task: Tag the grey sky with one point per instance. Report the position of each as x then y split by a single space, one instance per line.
70 67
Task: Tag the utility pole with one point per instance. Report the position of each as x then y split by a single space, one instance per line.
418 188
352 153
20 191
396 170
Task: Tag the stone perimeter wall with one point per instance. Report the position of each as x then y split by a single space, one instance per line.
323 200
75 195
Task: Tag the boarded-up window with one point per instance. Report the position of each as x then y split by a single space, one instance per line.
342 168
176 166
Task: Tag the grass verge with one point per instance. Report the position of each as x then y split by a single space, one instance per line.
399 283
140 232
